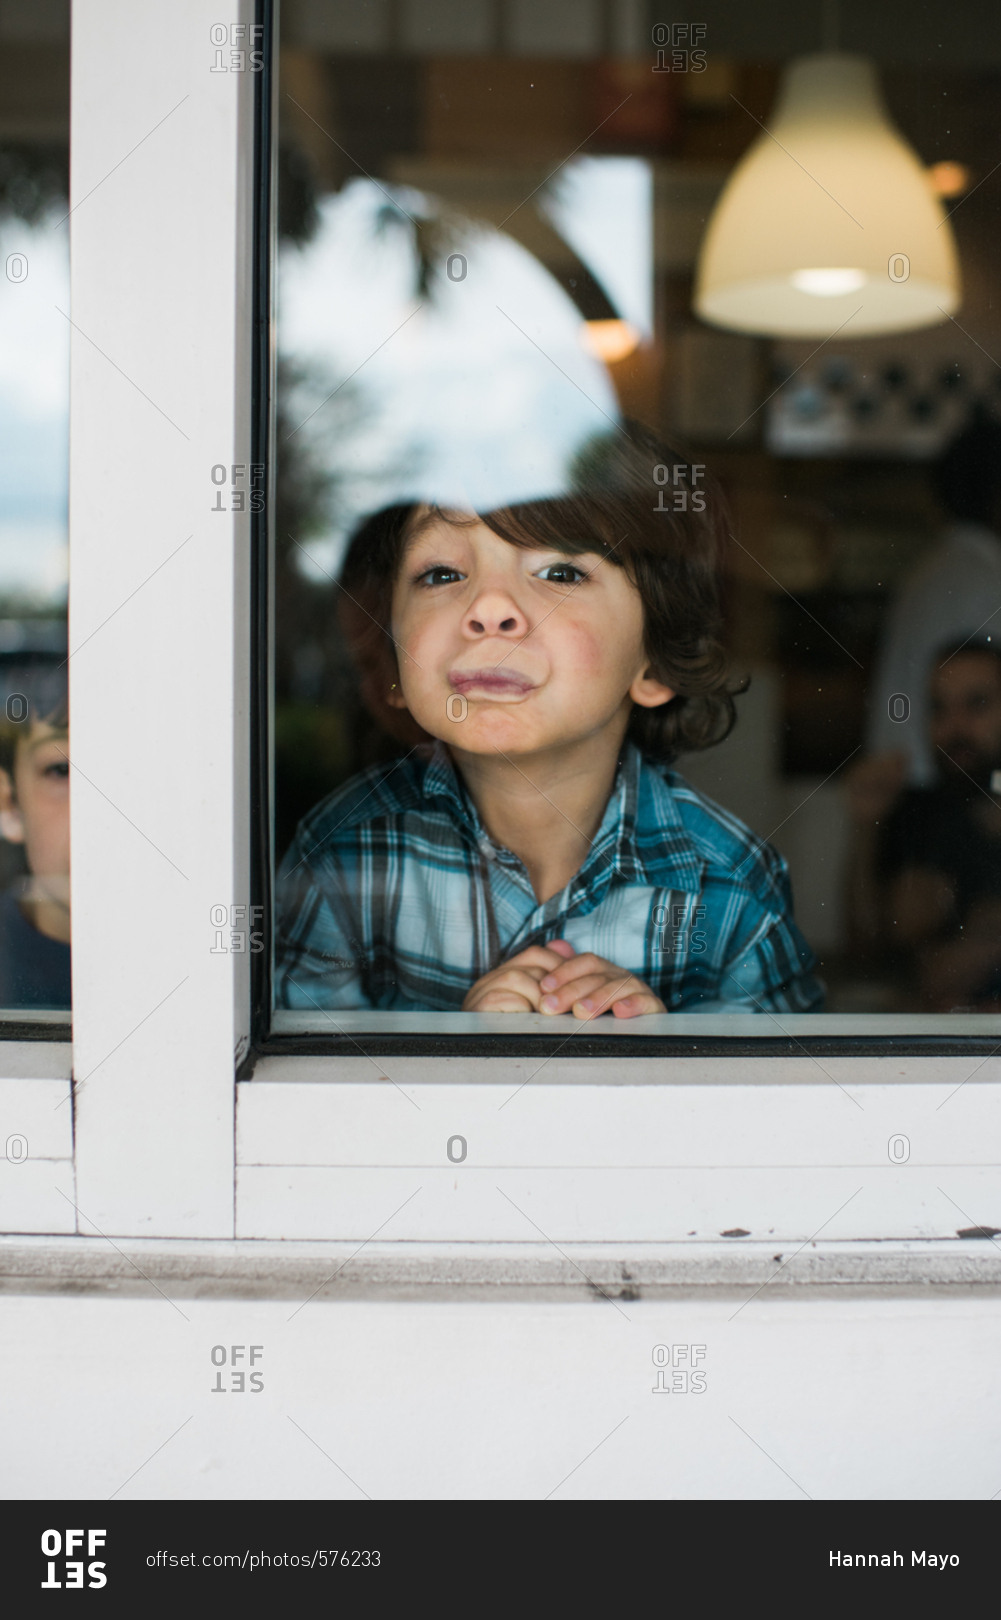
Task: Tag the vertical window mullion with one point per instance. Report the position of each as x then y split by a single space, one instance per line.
161 220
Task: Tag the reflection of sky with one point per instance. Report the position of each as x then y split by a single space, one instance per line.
459 406
34 413
603 206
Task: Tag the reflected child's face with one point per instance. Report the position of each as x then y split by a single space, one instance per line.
34 810
506 649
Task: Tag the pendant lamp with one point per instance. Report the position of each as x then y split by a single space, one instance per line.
829 221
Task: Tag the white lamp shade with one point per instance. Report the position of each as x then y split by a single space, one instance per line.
828 219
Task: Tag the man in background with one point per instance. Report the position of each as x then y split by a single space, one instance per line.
925 869
953 593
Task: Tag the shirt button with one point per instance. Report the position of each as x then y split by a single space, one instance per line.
487 848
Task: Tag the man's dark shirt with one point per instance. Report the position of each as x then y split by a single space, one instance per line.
34 969
937 827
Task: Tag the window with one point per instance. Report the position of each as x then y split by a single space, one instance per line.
378 1136
34 405
509 257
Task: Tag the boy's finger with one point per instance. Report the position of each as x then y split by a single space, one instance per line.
576 967
562 999
562 946
633 1006
522 982
502 1001
539 956
602 997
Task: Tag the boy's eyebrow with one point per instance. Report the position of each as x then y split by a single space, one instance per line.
54 736
420 526
428 520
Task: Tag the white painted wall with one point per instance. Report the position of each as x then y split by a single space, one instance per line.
853 1398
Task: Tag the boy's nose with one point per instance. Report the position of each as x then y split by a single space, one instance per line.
495 613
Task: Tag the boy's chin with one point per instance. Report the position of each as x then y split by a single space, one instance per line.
489 741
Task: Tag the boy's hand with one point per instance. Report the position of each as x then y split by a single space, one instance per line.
588 986
514 986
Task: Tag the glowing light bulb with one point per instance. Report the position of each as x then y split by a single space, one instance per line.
828 283
609 340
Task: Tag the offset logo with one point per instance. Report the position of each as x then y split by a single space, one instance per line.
63 1568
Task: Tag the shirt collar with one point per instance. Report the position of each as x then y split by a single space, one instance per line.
442 781
641 838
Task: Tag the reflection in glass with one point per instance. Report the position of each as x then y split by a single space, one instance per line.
488 261
34 413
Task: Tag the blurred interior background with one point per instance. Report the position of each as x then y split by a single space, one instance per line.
491 217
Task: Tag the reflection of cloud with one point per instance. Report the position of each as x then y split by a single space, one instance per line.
34 413
34 467
33 562
34 337
460 406
603 207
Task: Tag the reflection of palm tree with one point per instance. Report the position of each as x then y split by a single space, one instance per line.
435 234
34 189
322 733
434 237
311 673
34 178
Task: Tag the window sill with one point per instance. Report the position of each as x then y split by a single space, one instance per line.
424 1272
343 1032
27 1024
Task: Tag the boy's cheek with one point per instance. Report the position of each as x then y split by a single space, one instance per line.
587 656
581 646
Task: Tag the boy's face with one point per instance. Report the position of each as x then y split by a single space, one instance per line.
545 648
34 809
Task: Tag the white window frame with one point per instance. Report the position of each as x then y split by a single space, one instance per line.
665 1154
160 393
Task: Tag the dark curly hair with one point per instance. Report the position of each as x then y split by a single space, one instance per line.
32 692
645 509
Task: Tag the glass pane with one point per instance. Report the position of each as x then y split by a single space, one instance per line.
637 540
34 411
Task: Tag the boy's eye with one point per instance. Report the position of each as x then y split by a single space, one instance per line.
58 768
560 573
429 577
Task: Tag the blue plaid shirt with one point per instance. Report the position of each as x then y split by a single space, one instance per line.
393 896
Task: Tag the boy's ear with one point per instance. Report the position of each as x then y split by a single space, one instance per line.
395 698
650 693
11 820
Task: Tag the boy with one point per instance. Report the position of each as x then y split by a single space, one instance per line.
34 813
533 852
